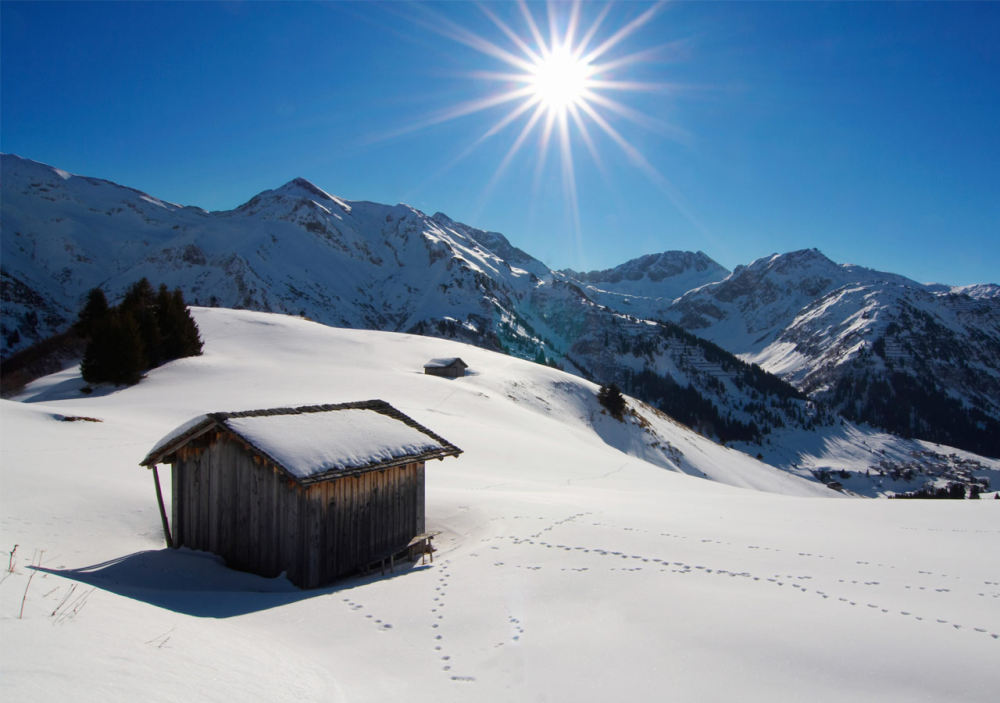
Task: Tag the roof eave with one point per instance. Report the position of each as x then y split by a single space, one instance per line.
218 421
157 456
378 466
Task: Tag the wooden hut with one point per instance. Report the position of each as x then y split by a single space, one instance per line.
452 367
317 492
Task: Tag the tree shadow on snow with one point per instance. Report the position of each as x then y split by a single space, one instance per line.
199 583
70 388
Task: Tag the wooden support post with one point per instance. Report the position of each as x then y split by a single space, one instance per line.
163 511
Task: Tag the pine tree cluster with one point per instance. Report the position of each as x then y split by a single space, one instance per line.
146 330
610 396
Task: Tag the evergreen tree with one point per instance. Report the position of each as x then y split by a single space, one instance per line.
139 295
114 353
169 324
140 305
145 331
96 357
129 358
190 339
94 310
610 396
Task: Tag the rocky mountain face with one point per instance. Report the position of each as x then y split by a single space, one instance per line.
299 250
918 360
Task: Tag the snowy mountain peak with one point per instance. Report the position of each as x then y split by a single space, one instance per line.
814 264
14 165
794 263
32 179
294 191
749 308
801 258
982 291
298 186
647 285
655 268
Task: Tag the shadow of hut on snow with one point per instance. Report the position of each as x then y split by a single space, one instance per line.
199 584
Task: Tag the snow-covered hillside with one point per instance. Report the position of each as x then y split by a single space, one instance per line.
580 558
300 250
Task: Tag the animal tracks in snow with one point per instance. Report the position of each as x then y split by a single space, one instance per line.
437 609
359 608
530 558
578 559
529 552
516 628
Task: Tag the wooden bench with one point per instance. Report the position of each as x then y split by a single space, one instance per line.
421 545
418 546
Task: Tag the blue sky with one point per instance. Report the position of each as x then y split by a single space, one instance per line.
867 130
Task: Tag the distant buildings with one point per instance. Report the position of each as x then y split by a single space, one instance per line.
448 367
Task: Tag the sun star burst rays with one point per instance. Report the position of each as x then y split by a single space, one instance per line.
554 81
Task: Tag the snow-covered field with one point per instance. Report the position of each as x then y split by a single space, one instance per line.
579 558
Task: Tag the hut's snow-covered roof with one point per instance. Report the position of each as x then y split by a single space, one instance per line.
444 363
315 442
312 443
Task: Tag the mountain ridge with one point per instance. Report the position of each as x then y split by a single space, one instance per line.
920 360
298 249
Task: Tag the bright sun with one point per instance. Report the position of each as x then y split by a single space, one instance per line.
561 79
557 84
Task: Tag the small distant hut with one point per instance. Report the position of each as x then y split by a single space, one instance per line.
318 492
452 367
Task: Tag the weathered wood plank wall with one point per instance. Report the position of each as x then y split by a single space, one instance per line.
259 520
